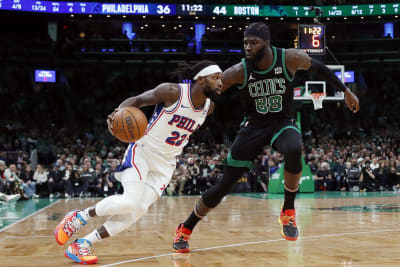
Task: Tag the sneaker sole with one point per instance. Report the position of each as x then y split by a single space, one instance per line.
288 238
183 250
77 260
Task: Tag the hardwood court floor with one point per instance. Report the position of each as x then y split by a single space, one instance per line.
337 229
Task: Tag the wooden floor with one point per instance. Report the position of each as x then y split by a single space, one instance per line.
336 230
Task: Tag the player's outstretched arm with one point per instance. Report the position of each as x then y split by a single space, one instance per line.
297 59
167 93
231 76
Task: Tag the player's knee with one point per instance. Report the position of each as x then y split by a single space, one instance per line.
293 158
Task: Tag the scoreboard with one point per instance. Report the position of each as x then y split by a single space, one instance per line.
312 38
74 7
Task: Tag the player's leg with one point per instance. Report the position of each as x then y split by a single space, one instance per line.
289 144
141 197
209 200
243 151
116 204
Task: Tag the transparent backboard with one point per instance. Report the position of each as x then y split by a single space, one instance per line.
302 93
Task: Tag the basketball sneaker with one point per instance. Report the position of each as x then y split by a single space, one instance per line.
79 251
288 221
71 223
181 240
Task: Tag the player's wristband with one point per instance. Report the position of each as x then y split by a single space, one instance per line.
326 74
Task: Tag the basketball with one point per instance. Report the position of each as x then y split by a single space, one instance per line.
129 124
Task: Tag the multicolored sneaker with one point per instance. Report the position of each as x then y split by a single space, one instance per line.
79 251
288 221
71 223
181 240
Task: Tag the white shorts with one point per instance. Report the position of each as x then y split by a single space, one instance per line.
144 164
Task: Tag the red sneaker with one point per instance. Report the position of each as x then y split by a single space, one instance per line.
71 223
181 240
288 221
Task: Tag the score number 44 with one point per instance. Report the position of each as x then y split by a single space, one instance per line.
219 10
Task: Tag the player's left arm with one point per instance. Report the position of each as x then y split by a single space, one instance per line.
297 59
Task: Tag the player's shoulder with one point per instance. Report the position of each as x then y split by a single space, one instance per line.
236 70
167 92
294 53
171 88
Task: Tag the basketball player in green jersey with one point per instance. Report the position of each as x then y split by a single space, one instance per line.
264 79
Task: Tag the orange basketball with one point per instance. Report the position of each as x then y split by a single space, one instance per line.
129 124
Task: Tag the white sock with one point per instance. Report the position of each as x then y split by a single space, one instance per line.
85 214
93 237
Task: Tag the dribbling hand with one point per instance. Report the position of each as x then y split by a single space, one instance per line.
351 101
110 119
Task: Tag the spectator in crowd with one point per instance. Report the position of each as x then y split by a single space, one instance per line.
374 164
353 176
28 184
59 182
381 175
258 176
192 178
324 180
3 186
339 173
368 181
394 175
3 180
40 178
14 185
107 184
82 179
178 179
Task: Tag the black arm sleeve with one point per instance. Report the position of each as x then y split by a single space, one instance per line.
326 74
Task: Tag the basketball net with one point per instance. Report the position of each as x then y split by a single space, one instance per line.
317 99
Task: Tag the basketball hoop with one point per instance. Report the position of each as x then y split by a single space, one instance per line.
317 99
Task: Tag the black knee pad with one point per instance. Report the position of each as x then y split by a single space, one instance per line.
293 160
289 145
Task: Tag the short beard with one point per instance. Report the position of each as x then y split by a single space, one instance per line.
210 93
258 57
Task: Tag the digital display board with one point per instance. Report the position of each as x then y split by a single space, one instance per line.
361 10
45 76
74 7
312 38
87 7
348 76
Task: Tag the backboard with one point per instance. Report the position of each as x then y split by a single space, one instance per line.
312 87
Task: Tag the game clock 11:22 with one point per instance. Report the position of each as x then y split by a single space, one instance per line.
312 38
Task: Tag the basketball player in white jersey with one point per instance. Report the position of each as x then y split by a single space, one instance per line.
148 164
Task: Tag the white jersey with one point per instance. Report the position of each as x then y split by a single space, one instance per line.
152 158
169 129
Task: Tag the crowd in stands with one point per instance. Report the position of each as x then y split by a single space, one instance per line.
85 167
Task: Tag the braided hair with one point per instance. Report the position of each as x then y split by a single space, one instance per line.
186 71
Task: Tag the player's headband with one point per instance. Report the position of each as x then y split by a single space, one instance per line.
258 29
207 71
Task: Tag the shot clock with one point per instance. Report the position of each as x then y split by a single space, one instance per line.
312 38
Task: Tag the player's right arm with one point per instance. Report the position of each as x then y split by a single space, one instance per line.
232 76
167 93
